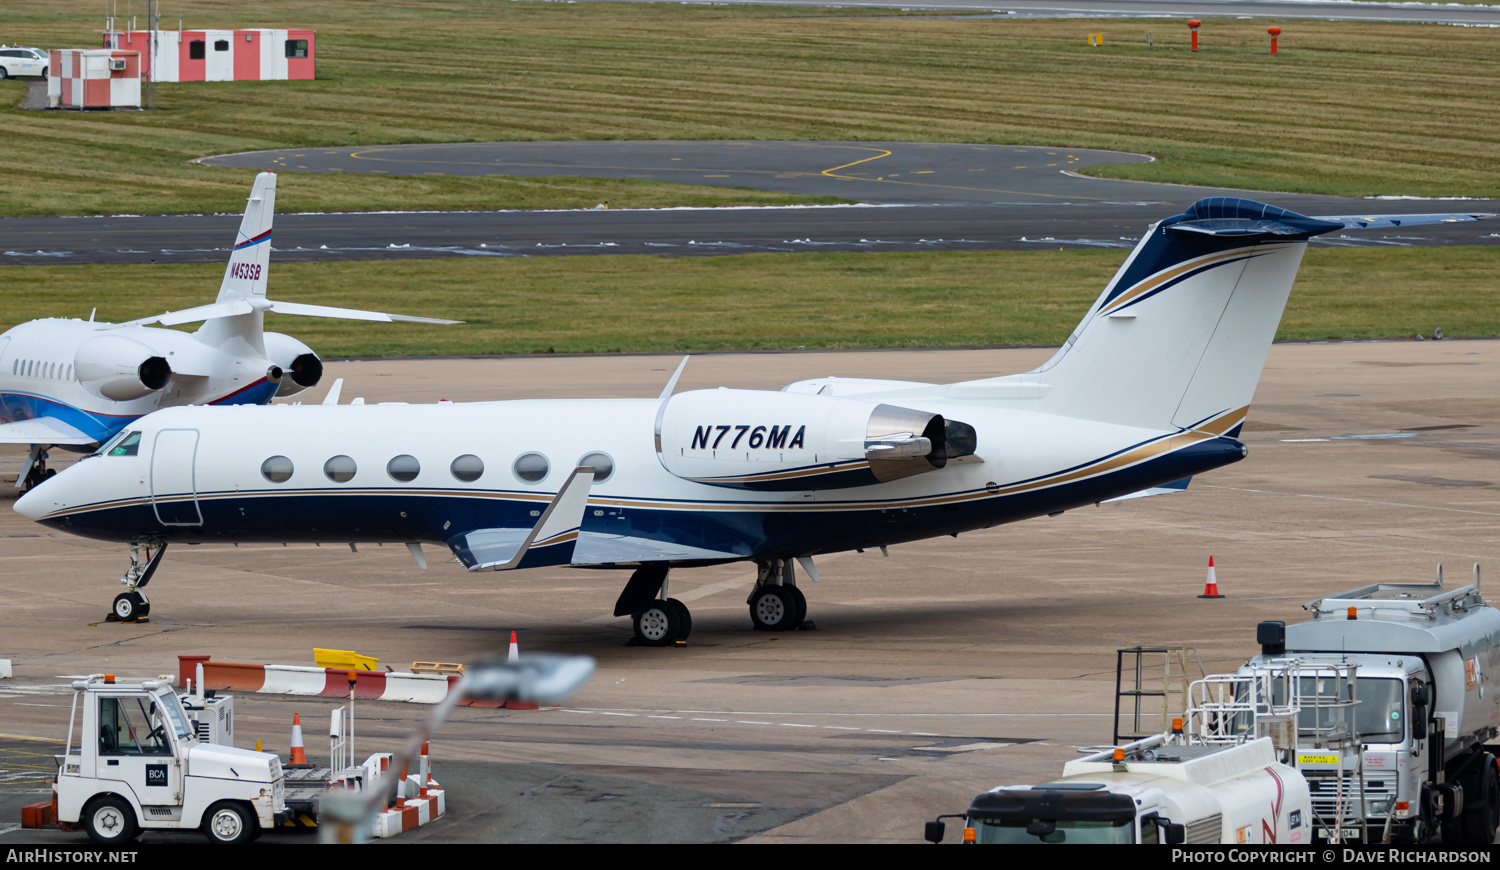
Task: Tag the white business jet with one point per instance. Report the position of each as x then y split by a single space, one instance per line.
76 383
1150 389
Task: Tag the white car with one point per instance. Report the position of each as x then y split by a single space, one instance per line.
18 61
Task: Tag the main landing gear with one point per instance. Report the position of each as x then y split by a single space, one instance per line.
776 604
36 469
657 619
133 605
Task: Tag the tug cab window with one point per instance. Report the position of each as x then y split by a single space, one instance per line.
124 444
195 50
131 726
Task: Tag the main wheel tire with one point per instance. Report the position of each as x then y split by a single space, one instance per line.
684 619
657 626
229 823
1481 821
110 821
127 606
772 609
800 602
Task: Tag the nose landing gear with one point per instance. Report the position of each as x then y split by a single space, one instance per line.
133 605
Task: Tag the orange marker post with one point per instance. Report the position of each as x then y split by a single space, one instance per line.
1194 24
1275 32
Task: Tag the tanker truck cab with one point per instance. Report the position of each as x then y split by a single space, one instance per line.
138 765
1410 670
1153 791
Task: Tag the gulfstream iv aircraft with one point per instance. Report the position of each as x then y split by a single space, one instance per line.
1151 388
76 383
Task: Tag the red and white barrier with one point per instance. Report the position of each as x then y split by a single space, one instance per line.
221 55
328 682
82 78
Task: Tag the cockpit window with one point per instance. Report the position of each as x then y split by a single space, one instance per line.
123 444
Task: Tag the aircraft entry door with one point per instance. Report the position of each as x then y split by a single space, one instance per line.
173 492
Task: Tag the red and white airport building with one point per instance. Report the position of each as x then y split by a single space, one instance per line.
220 55
82 78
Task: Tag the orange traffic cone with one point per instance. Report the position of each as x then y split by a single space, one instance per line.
1211 586
299 754
515 656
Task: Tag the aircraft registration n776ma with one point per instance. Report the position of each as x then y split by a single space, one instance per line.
1150 389
76 383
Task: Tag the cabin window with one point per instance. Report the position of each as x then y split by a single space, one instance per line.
467 468
221 45
339 469
195 50
277 469
603 465
404 468
531 467
296 48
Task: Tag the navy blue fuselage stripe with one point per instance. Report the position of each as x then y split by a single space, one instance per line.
750 531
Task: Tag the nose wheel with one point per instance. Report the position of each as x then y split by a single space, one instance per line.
133 605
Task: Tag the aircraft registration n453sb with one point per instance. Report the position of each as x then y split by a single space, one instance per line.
1150 389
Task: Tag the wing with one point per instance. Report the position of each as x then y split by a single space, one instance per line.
43 430
550 542
598 548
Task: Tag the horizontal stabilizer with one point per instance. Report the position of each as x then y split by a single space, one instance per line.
1164 489
236 307
599 548
42 430
352 314
1382 221
232 308
549 542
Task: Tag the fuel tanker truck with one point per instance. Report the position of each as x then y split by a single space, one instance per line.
1162 789
1397 693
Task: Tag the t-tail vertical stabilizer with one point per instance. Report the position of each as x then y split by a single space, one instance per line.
249 262
1179 336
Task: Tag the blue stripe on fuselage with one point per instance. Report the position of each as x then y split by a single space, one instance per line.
16 406
752 530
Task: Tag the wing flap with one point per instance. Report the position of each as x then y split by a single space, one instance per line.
598 548
42 430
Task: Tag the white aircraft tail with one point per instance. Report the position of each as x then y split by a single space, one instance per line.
250 261
1178 338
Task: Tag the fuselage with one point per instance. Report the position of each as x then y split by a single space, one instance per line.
38 377
430 473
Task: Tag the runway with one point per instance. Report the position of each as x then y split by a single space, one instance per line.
920 197
948 668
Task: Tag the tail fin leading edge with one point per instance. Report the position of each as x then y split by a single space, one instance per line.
249 262
1179 336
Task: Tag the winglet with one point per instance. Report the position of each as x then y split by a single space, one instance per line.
550 542
333 392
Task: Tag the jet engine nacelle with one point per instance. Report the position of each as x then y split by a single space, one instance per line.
297 360
751 439
120 368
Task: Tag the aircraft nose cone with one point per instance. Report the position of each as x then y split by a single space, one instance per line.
38 501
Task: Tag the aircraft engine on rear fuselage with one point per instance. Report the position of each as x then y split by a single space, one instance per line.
777 442
297 360
120 368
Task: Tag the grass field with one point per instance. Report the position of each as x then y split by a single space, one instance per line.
1346 108
770 301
